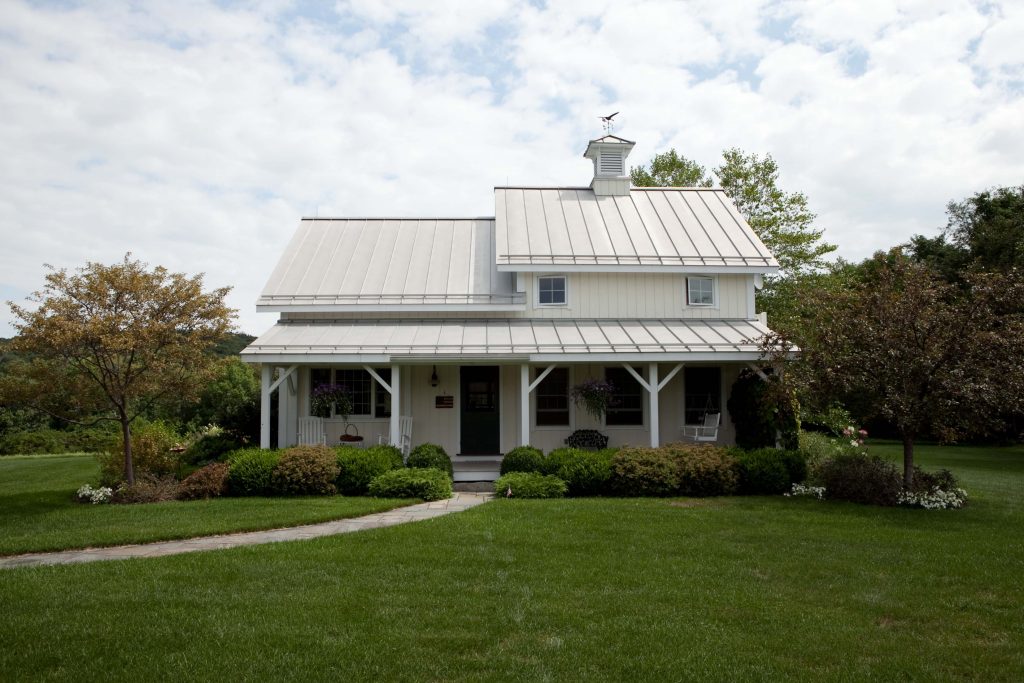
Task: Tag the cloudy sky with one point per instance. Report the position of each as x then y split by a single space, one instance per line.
196 134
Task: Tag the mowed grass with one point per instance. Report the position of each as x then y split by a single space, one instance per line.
606 590
38 511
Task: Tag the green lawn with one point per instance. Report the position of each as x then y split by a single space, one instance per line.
727 589
38 511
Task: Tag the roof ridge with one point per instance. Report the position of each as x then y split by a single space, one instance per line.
397 218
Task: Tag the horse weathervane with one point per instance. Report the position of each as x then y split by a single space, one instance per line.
609 125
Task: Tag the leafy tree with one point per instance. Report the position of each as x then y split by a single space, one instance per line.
231 399
929 357
108 342
669 169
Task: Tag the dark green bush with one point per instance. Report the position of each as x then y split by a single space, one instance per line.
925 482
523 459
529 485
861 478
426 483
430 455
251 471
760 410
207 482
585 472
96 439
556 458
357 467
35 441
704 470
305 471
638 471
769 471
211 448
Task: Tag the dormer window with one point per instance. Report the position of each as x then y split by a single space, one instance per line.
700 291
552 290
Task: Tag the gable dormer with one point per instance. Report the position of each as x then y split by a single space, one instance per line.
609 156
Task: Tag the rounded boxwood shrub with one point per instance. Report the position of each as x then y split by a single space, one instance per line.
638 471
586 473
762 472
250 471
704 470
430 455
207 482
305 471
357 467
861 478
523 459
427 483
529 485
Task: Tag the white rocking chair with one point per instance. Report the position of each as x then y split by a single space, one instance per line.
311 431
404 438
705 432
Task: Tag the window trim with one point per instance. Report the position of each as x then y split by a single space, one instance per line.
714 291
536 283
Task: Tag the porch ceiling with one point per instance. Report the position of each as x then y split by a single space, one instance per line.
520 340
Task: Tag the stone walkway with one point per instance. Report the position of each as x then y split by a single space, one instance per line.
412 513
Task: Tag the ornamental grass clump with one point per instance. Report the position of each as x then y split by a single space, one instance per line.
206 482
357 467
523 459
529 485
430 455
425 483
305 471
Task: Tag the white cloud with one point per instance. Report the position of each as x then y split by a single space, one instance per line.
196 135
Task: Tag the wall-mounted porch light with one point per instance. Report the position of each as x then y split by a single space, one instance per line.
434 381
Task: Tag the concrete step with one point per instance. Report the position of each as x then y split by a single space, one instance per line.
476 468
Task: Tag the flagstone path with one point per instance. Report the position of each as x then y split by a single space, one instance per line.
412 513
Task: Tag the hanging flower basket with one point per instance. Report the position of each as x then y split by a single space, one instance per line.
594 395
326 395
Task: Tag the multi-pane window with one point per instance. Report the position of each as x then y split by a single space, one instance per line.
702 393
551 290
700 291
552 399
365 391
628 403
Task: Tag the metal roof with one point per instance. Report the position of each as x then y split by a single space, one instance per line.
524 339
674 229
348 264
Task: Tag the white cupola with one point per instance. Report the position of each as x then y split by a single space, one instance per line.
609 156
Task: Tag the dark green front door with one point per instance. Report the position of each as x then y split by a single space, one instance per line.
480 420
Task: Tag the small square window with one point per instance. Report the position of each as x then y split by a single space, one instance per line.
700 291
551 290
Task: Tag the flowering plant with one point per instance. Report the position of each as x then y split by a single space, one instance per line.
802 490
856 436
594 395
935 499
95 496
326 395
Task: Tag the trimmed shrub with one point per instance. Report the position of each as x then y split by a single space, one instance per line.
250 471
207 482
430 455
148 488
426 483
587 438
860 478
305 471
638 471
529 485
769 471
704 470
585 472
151 453
211 448
523 459
926 482
357 467
35 441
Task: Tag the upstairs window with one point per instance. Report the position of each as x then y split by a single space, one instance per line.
700 291
551 290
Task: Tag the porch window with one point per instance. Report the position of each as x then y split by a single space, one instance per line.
628 404
381 397
700 291
366 391
551 290
360 387
702 393
552 400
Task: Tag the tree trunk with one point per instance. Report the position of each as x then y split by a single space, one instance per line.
126 434
908 462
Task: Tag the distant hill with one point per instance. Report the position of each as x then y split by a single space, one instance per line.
233 344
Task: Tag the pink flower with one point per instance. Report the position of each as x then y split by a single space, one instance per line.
863 432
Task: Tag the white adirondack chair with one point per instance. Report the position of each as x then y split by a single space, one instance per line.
404 438
704 432
311 431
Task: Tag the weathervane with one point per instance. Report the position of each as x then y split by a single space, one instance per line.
609 125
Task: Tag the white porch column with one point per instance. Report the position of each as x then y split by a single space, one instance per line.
265 374
396 405
524 405
652 394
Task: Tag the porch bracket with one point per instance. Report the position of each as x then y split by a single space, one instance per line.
638 378
540 378
285 375
759 371
669 376
373 373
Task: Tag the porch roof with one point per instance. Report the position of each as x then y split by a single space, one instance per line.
558 340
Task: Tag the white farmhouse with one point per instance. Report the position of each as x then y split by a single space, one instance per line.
470 332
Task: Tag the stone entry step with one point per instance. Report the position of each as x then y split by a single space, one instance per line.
476 468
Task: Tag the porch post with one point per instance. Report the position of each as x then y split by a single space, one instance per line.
265 374
524 405
652 393
396 405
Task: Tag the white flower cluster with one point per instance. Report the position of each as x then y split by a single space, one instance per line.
801 490
936 499
95 496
